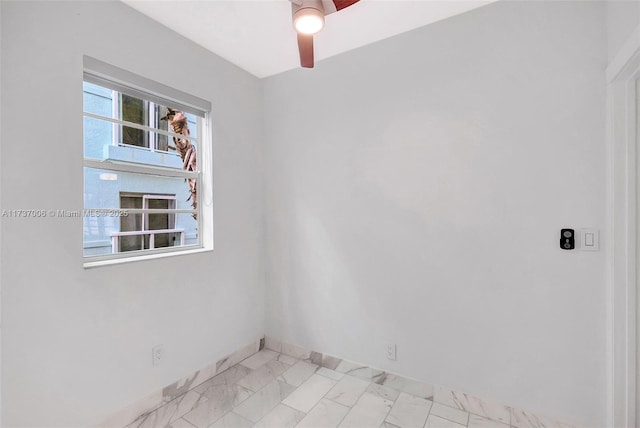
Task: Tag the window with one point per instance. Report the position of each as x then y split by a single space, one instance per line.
147 231
147 178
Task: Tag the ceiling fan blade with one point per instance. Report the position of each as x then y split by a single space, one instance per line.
305 47
331 6
341 4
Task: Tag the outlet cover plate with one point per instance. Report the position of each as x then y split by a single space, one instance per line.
157 354
392 351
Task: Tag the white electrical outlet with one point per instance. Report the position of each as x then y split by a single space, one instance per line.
157 354
391 351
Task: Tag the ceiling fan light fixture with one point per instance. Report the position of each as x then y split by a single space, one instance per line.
308 20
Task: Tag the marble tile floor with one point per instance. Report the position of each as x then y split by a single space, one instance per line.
272 389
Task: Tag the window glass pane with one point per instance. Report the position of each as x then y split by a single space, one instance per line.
106 140
104 189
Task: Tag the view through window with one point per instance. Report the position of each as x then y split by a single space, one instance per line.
142 168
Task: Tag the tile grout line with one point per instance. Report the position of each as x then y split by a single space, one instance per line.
183 419
428 414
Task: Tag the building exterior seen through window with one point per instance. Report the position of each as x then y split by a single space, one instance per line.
136 178
147 231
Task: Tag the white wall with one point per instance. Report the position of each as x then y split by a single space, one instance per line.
416 189
77 343
623 17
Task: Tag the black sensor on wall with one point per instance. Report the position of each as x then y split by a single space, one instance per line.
567 239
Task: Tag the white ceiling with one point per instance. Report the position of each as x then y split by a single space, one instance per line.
257 35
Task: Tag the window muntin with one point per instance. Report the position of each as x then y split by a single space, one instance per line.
128 154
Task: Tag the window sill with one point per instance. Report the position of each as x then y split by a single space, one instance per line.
117 261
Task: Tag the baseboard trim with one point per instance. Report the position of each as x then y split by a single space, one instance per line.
141 408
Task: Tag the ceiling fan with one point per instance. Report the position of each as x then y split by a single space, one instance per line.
308 19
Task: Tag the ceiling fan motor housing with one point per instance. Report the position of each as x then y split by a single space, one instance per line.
308 10
308 19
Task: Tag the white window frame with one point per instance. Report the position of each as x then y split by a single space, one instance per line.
106 75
